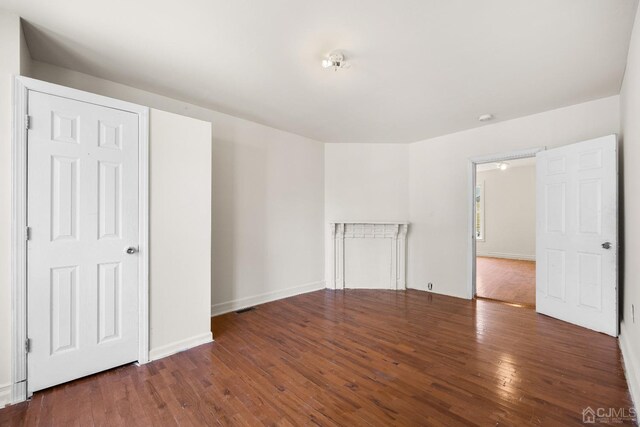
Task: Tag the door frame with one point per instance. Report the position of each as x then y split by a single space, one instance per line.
21 88
471 242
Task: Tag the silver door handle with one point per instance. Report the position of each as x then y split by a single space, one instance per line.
131 250
606 245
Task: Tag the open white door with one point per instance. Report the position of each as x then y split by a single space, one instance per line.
577 234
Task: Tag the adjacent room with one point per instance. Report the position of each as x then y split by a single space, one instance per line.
505 212
337 213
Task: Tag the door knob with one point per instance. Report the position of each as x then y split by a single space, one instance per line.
131 250
606 245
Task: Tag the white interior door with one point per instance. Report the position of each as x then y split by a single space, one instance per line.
577 234
82 285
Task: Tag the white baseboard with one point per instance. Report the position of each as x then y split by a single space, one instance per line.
239 304
507 256
5 395
423 288
176 347
631 365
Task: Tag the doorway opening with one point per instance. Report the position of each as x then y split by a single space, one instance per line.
481 221
504 228
576 230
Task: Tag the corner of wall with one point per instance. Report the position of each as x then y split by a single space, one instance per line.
5 395
182 345
631 364
241 303
25 54
629 105
9 67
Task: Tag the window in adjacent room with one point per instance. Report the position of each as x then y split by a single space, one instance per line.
479 212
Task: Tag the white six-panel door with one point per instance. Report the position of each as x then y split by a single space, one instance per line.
82 285
577 238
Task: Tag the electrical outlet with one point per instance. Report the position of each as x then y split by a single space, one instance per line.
430 286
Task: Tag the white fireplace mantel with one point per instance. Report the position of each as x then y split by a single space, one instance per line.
360 258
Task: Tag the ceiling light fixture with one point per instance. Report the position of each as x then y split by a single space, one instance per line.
502 166
485 117
335 60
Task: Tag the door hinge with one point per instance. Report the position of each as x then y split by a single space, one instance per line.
27 233
27 345
27 122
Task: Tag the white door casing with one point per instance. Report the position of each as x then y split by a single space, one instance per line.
82 213
577 219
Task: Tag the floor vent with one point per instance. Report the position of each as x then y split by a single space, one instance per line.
244 310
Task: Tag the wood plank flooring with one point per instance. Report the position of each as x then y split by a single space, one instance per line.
507 280
356 357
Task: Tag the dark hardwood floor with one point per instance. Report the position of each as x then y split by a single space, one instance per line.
356 358
508 280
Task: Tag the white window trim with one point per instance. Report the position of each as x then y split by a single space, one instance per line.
482 214
21 88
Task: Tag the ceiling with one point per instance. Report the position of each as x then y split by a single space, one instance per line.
419 68
493 166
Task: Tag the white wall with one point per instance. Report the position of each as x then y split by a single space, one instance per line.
439 181
629 224
180 233
509 212
11 53
364 182
268 198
